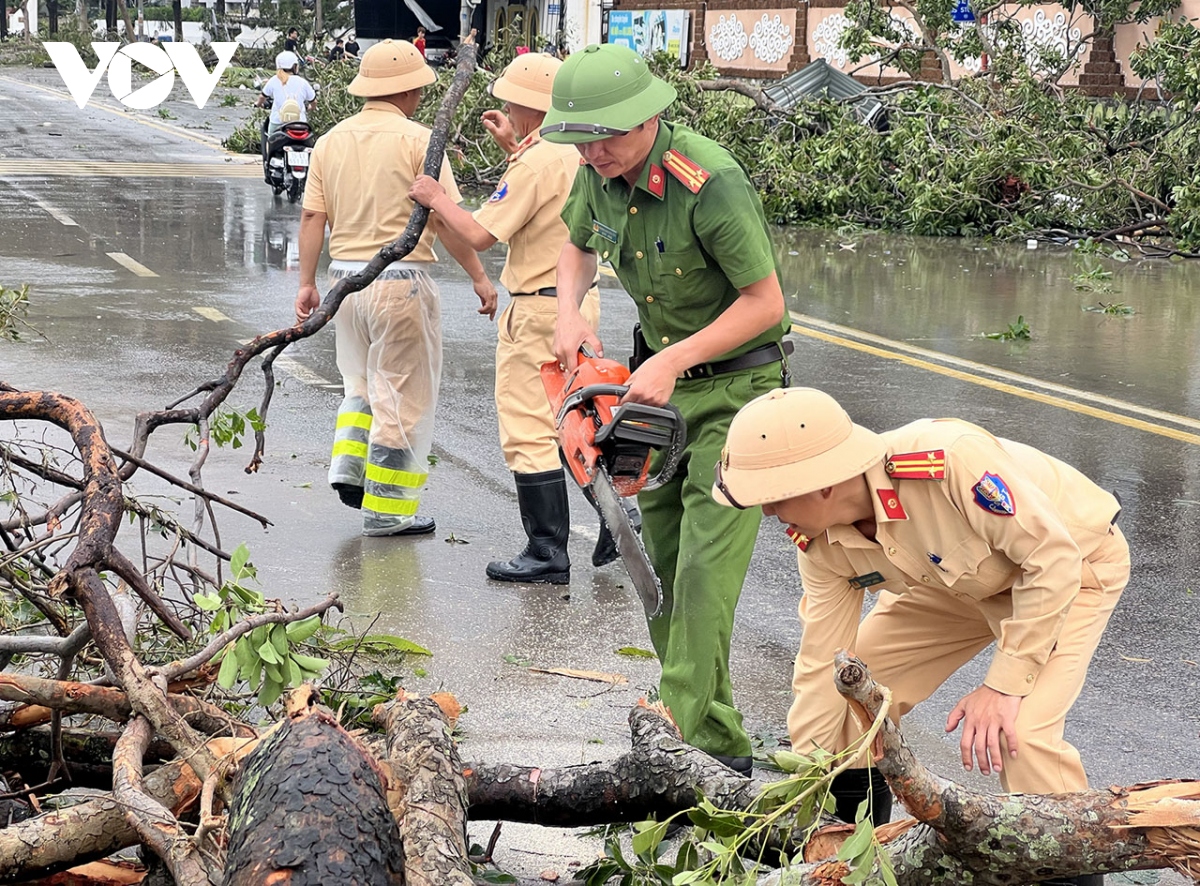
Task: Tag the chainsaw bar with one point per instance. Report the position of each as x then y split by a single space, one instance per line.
629 543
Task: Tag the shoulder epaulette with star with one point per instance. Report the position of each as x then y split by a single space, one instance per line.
929 464
524 146
688 171
799 539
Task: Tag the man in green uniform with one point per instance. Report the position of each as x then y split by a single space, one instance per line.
682 226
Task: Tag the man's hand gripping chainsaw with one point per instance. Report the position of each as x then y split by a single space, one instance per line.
607 448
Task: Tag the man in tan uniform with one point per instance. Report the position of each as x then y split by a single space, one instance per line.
969 539
525 212
389 338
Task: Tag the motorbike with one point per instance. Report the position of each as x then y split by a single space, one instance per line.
286 158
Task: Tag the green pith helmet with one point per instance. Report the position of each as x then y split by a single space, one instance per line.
603 91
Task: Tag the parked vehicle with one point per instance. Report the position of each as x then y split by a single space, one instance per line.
286 158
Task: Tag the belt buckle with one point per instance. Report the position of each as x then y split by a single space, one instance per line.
702 370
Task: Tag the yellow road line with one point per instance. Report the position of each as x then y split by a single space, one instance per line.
997 385
132 264
210 314
209 141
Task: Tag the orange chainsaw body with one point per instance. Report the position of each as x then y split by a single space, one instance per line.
579 424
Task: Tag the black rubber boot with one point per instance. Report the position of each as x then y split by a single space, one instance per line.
545 515
851 787
606 551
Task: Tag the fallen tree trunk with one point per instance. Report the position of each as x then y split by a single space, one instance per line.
88 831
310 809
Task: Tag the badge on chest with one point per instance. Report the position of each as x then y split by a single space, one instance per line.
861 582
604 231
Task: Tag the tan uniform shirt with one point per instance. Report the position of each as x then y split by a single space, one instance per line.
994 516
525 211
359 177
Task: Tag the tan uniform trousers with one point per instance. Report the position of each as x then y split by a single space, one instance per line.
524 341
914 641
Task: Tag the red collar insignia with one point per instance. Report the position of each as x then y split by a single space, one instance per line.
656 182
891 504
798 538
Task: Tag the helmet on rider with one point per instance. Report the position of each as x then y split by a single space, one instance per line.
603 91
285 61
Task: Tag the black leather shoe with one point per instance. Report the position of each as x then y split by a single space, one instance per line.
743 766
351 496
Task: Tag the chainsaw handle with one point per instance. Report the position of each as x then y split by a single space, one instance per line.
674 452
588 392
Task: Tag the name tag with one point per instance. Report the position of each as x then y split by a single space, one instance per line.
859 582
604 231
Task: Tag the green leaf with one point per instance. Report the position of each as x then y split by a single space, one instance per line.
299 631
635 652
857 842
270 692
207 602
310 663
380 644
227 676
649 835
268 654
237 561
279 639
293 673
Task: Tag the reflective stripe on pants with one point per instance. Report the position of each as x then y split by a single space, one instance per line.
392 487
347 466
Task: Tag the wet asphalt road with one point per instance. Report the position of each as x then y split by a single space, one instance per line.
888 325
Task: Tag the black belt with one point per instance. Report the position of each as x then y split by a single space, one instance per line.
549 290
759 356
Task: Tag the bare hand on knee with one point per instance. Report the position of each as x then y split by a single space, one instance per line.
985 714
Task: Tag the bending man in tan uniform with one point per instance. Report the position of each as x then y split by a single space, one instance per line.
389 335
968 539
524 211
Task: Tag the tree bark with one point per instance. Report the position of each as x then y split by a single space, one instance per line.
310 809
433 817
59 840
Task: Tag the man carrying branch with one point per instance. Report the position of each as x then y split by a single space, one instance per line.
389 336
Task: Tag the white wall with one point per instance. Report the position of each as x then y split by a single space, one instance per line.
16 21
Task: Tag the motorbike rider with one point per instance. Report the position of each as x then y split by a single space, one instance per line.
287 83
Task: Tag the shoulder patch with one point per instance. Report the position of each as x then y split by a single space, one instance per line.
929 464
499 194
799 539
993 495
891 504
688 171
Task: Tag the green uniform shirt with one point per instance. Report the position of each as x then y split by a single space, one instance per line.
681 255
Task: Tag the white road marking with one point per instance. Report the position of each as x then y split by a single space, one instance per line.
132 264
299 371
210 314
58 215
302 373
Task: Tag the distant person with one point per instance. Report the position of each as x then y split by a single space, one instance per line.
352 46
338 52
420 41
292 43
286 84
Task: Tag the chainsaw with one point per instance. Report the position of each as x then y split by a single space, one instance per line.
607 448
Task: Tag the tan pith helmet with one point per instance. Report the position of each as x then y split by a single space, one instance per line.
789 442
389 67
527 81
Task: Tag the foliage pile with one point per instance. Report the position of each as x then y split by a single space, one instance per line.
1009 159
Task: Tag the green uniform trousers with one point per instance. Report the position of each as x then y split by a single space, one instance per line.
700 551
